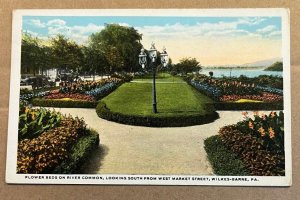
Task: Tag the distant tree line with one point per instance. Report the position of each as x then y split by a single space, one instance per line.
113 49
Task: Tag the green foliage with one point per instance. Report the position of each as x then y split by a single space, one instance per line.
277 66
248 105
268 129
66 53
34 55
223 161
79 153
257 159
156 121
33 122
119 45
262 80
187 65
173 99
43 153
63 104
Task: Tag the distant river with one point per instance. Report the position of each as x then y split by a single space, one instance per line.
238 72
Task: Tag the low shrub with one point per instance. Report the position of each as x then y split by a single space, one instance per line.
79 153
63 104
152 121
223 161
248 105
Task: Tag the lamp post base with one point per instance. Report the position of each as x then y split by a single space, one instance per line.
154 108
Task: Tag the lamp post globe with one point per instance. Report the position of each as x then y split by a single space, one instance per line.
152 53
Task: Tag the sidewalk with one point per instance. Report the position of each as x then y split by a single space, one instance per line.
128 149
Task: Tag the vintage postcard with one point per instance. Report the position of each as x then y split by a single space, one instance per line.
151 97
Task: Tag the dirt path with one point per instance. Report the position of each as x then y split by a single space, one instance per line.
128 149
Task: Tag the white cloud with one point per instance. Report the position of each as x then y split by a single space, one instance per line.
275 33
266 29
56 22
79 34
251 21
36 23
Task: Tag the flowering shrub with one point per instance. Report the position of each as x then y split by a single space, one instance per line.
270 90
29 95
43 153
259 142
227 90
74 96
269 129
207 89
233 87
84 86
32 122
266 97
97 93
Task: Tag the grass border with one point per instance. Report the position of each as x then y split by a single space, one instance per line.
79 153
151 121
223 161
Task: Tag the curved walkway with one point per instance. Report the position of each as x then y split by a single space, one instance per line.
128 149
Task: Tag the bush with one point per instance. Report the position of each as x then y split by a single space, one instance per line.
79 154
257 159
32 122
103 91
43 153
223 161
153 121
248 106
63 103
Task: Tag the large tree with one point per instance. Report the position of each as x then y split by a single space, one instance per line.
35 57
187 65
67 54
120 46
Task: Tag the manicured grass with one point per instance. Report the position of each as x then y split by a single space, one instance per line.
223 161
173 99
161 77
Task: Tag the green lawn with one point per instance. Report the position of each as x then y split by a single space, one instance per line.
176 98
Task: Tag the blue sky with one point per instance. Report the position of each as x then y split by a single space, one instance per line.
174 32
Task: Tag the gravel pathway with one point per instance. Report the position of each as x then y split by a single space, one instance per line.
128 149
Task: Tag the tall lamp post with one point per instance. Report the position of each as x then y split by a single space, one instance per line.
152 53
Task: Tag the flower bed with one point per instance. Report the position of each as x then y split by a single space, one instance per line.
236 95
99 93
62 144
265 97
33 122
85 86
258 142
75 96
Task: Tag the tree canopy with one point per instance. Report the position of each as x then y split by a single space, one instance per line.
187 65
120 46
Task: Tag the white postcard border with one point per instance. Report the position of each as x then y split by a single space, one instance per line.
12 141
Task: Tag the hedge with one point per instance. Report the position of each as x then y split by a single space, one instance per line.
79 154
152 121
63 103
223 161
248 106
